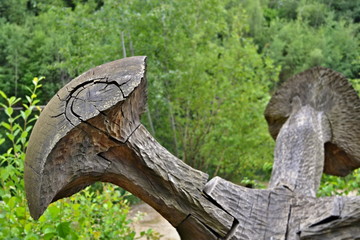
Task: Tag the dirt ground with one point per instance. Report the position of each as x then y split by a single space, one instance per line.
149 218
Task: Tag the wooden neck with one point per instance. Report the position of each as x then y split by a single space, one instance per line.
299 152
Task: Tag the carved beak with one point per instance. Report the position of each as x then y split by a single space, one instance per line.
63 155
90 131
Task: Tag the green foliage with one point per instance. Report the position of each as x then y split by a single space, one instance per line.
211 63
297 47
13 10
92 214
345 9
210 84
314 14
332 185
356 84
302 34
251 183
285 9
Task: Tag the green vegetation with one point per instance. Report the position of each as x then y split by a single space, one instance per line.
212 66
301 34
95 213
195 48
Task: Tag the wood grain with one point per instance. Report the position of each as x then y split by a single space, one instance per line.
331 93
91 131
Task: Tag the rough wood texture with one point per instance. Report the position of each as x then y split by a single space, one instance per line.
90 131
329 92
299 151
280 213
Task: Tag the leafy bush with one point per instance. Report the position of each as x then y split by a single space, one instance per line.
92 214
332 185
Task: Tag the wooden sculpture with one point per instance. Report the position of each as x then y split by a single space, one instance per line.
91 131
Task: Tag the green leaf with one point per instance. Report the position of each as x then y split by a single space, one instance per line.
63 229
31 236
35 81
28 228
13 100
4 174
28 99
9 111
54 211
29 89
17 117
17 131
3 94
6 125
27 112
11 120
49 236
10 136
28 128
48 228
17 100
23 115
24 135
17 147
9 151
72 236
20 212
12 202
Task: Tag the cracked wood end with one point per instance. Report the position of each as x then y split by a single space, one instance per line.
58 131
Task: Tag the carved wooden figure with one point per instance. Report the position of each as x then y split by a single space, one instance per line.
90 131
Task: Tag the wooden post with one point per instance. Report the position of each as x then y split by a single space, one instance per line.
90 131
299 152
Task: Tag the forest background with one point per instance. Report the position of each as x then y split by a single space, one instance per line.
212 67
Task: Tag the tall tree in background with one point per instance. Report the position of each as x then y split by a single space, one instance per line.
207 83
302 34
211 63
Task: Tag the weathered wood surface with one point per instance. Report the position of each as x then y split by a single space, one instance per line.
90 131
280 213
328 92
299 151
